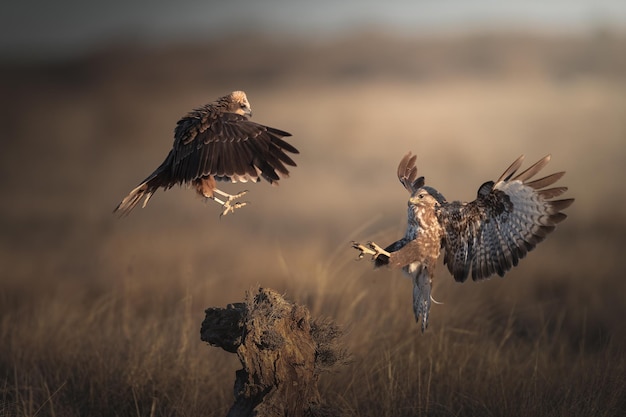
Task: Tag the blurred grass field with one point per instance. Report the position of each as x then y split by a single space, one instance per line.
101 316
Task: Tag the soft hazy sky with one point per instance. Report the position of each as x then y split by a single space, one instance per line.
49 27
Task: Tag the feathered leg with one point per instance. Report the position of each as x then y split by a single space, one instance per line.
421 293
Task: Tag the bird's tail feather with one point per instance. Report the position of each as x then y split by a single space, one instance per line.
159 178
421 296
145 189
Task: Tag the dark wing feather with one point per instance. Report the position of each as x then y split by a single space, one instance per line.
507 220
229 147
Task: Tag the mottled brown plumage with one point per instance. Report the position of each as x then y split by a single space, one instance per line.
484 237
217 142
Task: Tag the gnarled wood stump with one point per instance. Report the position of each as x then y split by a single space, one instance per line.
282 352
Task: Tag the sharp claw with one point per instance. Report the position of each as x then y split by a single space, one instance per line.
377 250
364 250
358 247
230 208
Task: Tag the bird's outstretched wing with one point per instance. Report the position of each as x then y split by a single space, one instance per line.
407 173
229 147
508 218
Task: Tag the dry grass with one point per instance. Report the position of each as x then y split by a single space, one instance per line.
101 316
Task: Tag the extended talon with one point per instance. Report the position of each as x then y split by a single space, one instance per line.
228 205
241 194
362 249
371 249
377 249
230 208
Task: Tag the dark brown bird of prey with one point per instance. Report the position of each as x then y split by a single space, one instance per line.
218 142
484 237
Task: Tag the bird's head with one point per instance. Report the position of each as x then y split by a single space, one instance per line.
238 103
422 205
426 197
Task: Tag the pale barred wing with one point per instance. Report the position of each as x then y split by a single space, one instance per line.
407 173
228 146
507 220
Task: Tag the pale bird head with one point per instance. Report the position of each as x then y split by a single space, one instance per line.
239 104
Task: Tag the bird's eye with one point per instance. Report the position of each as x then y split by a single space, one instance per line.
420 196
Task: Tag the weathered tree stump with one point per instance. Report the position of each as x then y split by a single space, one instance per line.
282 352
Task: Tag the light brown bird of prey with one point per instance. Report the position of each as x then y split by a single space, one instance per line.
484 237
217 142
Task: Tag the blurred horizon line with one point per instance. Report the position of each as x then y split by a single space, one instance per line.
53 33
29 57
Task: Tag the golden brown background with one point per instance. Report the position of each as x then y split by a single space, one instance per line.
101 316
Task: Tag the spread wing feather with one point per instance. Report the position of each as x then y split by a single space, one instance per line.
507 220
229 147
407 173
